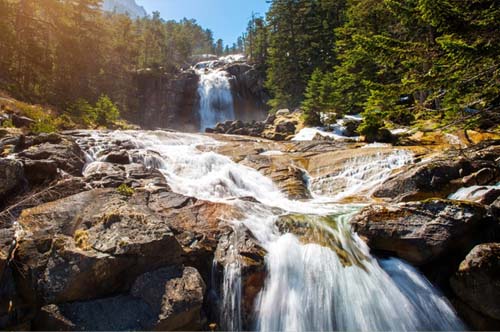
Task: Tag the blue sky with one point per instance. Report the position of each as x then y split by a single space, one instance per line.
226 18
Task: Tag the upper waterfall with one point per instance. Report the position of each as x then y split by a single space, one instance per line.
214 90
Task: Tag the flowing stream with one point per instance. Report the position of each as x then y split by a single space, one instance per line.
320 277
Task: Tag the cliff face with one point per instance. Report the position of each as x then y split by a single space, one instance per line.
166 100
129 7
250 96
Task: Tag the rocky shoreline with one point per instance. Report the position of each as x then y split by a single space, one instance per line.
114 248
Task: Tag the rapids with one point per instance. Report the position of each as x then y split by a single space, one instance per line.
333 283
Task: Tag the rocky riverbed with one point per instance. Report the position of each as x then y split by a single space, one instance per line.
97 234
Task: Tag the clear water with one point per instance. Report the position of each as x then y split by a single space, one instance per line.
324 283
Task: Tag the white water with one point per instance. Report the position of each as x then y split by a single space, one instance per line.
308 287
473 193
361 175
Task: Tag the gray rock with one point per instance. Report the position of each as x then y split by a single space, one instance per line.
420 232
120 313
175 296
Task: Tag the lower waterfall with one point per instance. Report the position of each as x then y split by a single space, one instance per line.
324 283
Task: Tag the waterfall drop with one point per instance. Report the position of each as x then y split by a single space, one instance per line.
214 90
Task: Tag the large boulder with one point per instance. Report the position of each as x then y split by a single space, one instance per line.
167 299
477 282
59 149
96 243
91 239
420 232
119 313
175 297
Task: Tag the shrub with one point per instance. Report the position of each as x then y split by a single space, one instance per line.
106 111
81 238
45 125
125 190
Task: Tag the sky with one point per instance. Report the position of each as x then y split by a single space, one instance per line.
226 18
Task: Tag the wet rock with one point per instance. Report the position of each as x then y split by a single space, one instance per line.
424 181
420 232
289 178
175 298
11 177
477 282
444 174
118 157
238 250
473 318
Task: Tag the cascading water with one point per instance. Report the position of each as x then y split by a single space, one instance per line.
216 99
328 281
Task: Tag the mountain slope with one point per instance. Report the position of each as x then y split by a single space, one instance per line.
129 7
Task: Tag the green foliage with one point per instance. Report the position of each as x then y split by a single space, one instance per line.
372 122
56 52
44 125
125 190
318 97
103 113
82 112
106 111
302 38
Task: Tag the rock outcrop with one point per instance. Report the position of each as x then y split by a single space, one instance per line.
420 232
477 281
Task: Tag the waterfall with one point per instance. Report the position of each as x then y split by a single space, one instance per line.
216 99
326 283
